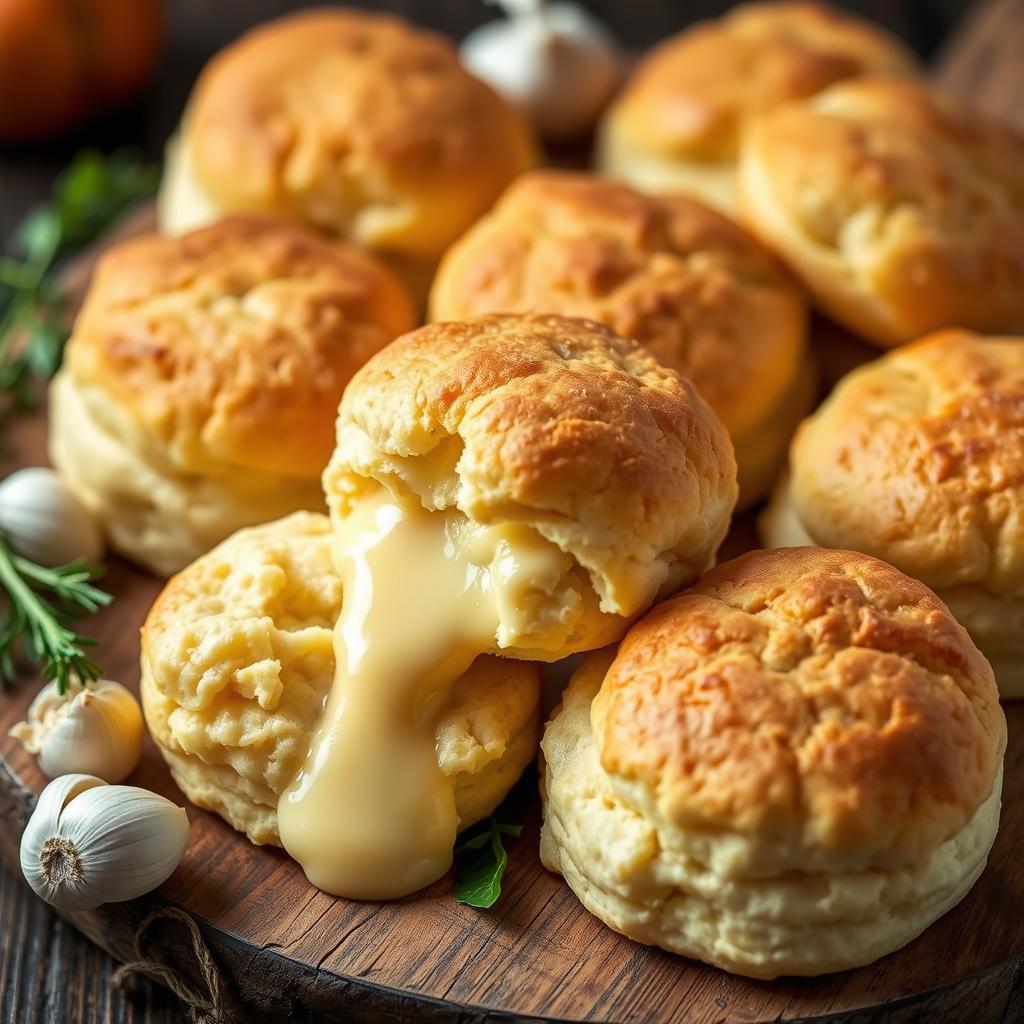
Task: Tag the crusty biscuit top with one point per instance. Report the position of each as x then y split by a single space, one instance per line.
555 422
687 284
917 200
232 344
807 698
694 93
329 112
918 458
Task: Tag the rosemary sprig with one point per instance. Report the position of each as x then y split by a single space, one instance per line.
40 601
88 197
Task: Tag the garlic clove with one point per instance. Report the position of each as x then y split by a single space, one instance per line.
37 846
88 843
556 63
45 521
97 729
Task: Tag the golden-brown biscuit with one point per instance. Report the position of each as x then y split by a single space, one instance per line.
678 123
900 210
564 428
358 124
203 376
237 661
793 768
918 458
692 288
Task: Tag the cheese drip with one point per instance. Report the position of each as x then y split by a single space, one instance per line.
370 815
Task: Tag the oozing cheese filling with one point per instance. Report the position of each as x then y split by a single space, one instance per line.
370 815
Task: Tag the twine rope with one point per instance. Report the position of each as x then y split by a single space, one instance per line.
211 1007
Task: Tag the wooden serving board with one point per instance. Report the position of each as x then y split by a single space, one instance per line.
291 952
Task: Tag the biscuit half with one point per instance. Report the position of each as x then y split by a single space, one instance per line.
238 660
559 426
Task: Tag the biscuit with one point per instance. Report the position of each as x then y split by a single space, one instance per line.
900 210
237 661
918 458
559 425
202 379
791 769
693 289
357 124
677 125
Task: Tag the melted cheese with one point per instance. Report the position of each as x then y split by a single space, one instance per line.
371 815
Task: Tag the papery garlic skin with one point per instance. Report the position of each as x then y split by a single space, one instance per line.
44 520
88 843
557 64
95 729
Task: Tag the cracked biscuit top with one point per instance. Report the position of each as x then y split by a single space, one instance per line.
553 422
918 458
809 700
665 270
358 123
230 346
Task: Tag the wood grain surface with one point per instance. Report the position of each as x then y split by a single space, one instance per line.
51 976
294 953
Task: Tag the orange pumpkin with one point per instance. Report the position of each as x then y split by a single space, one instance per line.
61 60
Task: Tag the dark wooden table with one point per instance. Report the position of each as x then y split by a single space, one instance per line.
50 973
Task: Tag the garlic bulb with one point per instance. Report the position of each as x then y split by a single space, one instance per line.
557 63
88 843
45 521
96 729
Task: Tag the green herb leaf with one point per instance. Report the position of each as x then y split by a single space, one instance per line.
39 235
480 862
40 603
89 196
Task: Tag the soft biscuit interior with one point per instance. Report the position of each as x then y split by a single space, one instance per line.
456 589
238 661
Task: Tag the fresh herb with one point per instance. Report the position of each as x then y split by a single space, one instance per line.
88 197
480 862
40 603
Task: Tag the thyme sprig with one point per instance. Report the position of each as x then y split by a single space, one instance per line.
92 193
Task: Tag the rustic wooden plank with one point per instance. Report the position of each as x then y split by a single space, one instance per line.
49 976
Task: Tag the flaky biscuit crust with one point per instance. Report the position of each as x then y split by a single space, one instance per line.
237 662
687 284
793 768
692 97
230 347
918 458
357 123
806 698
901 210
554 422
